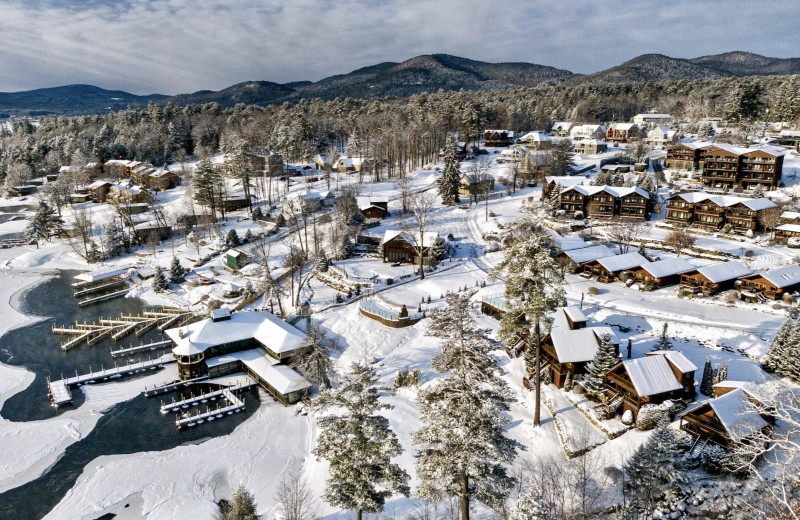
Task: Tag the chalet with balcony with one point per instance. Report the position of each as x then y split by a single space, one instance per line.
727 166
743 214
550 183
162 180
607 269
534 165
680 207
574 198
704 210
601 201
373 208
790 217
684 156
653 379
98 190
773 283
535 141
590 147
710 212
475 185
623 132
561 129
571 345
786 231
119 168
498 138
714 278
761 167
729 419
587 132
398 246
140 174
632 202
654 275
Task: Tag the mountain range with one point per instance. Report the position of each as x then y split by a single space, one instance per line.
426 73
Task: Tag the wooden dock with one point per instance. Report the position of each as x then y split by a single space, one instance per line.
188 420
176 406
155 345
59 391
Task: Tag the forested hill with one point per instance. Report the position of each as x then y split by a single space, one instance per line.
426 73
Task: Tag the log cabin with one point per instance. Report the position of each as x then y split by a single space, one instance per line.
607 269
578 257
622 132
786 231
773 283
498 138
727 420
632 203
398 246
714 278
727 166
684 156
654 275
681 207
653 379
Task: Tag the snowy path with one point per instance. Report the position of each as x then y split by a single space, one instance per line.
577 433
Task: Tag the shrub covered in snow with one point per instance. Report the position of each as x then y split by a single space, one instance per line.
594 291
712 458
627 417
648 416
492 247
578 215
749 233
732 296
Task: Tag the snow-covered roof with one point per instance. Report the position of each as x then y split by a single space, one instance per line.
305 195
789 227
99 184
667 267
737 414
618 263
622 126
759 204
560 316
622 191
275 334
651 375
559 125
771 150
280 377
535 136
429 237
587 254
94 276
789 133
579 345
691 197
570 243
783 276
572 180
680 361
724 271
790 215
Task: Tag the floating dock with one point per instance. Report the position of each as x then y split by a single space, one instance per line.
188 420
176 406
59 391
156 345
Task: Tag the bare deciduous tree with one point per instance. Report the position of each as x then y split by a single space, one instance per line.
679 239
294 498
421 205
770 218
624 234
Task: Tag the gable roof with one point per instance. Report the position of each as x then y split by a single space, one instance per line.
736 413
570 243
791 215
429 237
677 359
667 267
588 254
651 375
617 263
724 271
621 126
783 276
579 345
789 227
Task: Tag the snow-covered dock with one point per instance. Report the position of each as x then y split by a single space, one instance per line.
59 390
155 345
175 406
189 420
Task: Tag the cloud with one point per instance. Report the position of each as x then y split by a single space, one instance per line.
173 46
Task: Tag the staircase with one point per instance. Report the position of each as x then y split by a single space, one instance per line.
761 298
611 405
698 447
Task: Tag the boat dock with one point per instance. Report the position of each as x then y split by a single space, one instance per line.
59 391
188 420
176 406
156 345
168 387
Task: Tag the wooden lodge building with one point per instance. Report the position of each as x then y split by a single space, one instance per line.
685 156
498 138
772 284
727 166
256 342
713 212
373 208
731 418
608 269
606 201
786 231
623 132
475 185
714 278
398 246
653 379
551 181
654 275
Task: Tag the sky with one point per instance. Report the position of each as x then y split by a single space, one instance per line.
177 46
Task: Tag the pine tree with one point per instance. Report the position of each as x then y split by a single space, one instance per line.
280 220
249 236
723 373
243 506
451 174
232 238
529 506
321 262
707 383
114 241
604 360
176 272
654 469
533 288
439 250
463 450
44 223
359 445
94 255
555 197
664 342
776 354
160 283
561 158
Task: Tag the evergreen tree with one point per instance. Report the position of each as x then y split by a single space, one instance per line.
232 238
206 183
776 354
723 373
707 383
439 250
44 223
664 342
529 506
451 174
243 506
604 360
249 236
160 283
280 220
321 262
94 255
463 449
114 241
654 469
533 288
555 197
359 445
561 158
176 272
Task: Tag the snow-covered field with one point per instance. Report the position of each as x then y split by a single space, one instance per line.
188 481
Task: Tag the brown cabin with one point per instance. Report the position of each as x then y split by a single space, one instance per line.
658 274
399 247
609 268
714 278
729 419
653 379
774 283
622 132
786 231
683 156
498 138
163 180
